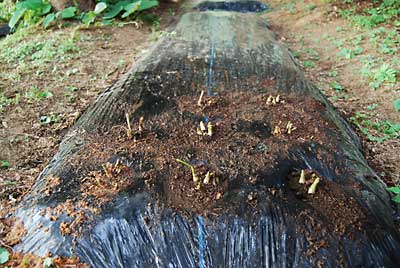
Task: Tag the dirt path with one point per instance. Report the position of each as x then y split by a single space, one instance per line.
341 59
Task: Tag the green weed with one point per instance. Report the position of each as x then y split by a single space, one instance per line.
375 130
396 191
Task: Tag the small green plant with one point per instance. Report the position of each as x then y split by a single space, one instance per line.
36 95
381 75
376 130
194 176
396 191
4 164
49 119
336 86
4 255
308 64
332 73
7 101
372 106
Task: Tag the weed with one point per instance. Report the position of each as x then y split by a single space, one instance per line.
36 95
376 130
313 54
313 188
332 73
4 164
382 74
291 7
49 119
194 176
396 191
372 106
311 7
336 86
308 64
7 101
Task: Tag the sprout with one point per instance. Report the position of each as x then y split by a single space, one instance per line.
198 187
313 186
270 99
273 100
200 98
207 178
289 127
277 130
209 129
202 130
302 177
202 126
129 131
195 178
141 124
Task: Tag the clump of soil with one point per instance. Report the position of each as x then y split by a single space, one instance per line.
189 155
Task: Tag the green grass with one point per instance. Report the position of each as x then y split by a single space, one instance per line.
387 12
42 48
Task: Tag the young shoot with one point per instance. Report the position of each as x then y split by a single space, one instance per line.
302 177
129 131
207 178
273 100
200 98
313 186
195 178
209 129
290 128
141 124
277 130
202 126
203 130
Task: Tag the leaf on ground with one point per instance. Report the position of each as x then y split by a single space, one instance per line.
4 255
68 13
396 198
395 190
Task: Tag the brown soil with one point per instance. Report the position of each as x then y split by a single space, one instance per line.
20 260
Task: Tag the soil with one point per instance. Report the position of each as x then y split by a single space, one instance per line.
20 260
